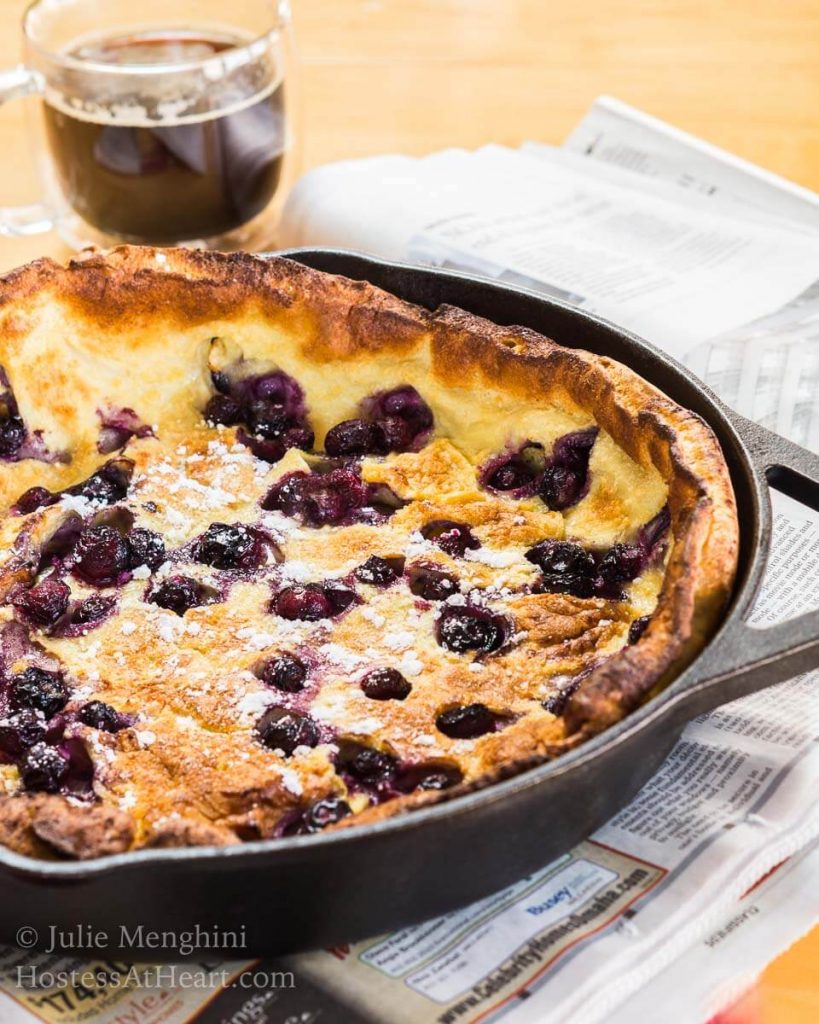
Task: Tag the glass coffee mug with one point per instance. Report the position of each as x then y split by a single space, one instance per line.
160 121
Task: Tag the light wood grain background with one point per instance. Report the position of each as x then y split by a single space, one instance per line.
413 76
416 75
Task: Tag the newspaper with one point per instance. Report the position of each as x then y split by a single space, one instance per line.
721 967
767 368
669 895
615 133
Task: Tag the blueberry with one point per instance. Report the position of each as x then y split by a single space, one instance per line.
273 450
108 485
266 419
463 628
566 478
339 596
272 407
179 594
279 729
434 775
92 610
44 603
510 477
33 499
102 555
353 438
38 690
308 603
437 779
431 584
322 813
276 388
575 586
145 548
574 449
43 769
284 672
391 421
465 722
453 538
370 767
392 434
567 568
62 542
230 547
515 471
99 715
20 731
97 488
403 403
221 382
12 428
223 409
621 564
268 403
560 488
561 558
289 495
408 404
319 499
299 436
319 815
637 628
556 703
386 684
12 433
379 572
267 451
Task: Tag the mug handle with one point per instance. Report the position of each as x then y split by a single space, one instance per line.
35 218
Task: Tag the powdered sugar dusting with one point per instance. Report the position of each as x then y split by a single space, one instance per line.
410 664
492 557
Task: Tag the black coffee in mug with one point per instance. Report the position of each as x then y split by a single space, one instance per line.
176 177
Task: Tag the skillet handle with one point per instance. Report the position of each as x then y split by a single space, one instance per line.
744 659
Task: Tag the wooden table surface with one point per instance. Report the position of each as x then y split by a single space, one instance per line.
413 76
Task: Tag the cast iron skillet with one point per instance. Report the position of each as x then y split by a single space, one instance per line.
315 890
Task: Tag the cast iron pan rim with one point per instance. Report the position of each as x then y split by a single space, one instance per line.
286 848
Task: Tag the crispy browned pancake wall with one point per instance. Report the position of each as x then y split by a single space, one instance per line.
280 552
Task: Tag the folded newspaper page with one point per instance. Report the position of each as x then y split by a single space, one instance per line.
766 368
719 968
669 895
615 133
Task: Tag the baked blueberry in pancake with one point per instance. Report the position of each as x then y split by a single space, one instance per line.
312 556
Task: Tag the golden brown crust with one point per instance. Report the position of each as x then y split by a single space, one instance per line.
651 428
140 320
49 826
